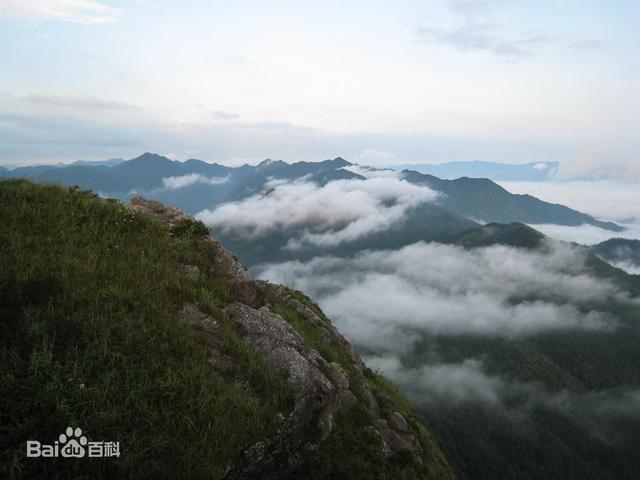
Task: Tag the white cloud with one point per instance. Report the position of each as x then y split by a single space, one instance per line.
383 299
222 115
609 161
474 36
468 382
74 100
586 234
376 158
371 172
338 212
588 44
392 304
182 181
627 267
540 166
78 11
451 382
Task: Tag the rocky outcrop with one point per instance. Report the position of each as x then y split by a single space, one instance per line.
225 265
211 332
235 275
167 215
318 389
192 272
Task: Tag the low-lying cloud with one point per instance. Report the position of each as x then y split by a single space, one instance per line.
386 299
468 382
173 183
587 234
327 215
455 383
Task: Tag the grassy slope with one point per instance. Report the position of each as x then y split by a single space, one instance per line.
89 301
89 337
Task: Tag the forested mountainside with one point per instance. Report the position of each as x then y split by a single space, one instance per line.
132 323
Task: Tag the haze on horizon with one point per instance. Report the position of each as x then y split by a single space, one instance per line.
374 82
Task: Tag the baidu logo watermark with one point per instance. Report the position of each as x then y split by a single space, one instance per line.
72 444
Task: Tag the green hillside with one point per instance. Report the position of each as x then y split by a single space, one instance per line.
127 326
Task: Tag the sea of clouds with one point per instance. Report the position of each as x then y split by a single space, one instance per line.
387 301
446 289
321 215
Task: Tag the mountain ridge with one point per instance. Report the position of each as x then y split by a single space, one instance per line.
483 199
476 199
531 172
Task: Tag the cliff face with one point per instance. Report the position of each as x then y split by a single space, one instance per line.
135 324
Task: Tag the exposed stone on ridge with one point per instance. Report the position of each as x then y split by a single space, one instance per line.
226 264
192 272
398 422
315 396
168 215
212 334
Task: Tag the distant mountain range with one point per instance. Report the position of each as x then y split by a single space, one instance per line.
529 172
195 185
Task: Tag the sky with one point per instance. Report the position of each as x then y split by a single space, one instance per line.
376 82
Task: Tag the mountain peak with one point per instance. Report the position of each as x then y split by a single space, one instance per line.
341 162
150 156
514 234
268 162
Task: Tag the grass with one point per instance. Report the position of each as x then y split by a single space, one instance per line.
89 337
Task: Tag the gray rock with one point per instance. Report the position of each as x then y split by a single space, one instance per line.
192 272
395 441
337 375
154 209
190 313
235 274
398 422
226 265
211 332
315 396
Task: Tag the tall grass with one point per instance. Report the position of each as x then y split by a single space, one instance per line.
90 337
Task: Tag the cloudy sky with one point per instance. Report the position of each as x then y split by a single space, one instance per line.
377 82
